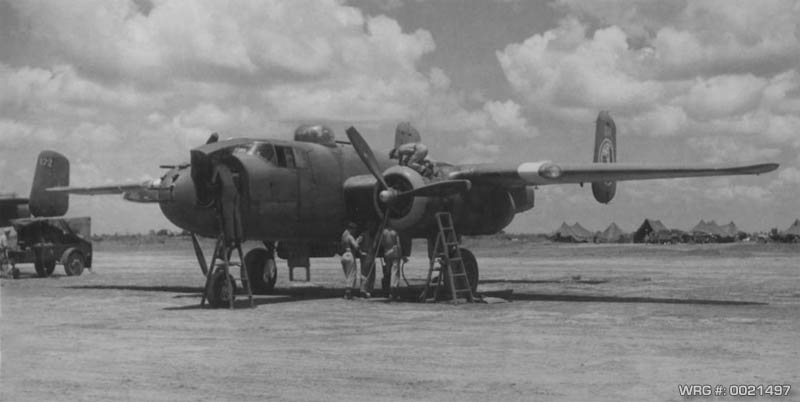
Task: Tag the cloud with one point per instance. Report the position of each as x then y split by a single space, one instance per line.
660 121
725 149
506 115
704 36
565 68
789 176
724 95
722 76
726 192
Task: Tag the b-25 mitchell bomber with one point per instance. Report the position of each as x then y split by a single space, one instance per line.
297 196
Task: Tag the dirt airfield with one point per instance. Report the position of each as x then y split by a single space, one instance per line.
584 322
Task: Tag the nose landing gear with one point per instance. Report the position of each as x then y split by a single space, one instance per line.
220 285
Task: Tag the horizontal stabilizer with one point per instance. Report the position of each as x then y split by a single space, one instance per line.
143 192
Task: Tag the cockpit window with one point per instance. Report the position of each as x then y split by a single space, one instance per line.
285 157
265 151
239 149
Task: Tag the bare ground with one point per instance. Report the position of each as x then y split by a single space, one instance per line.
588 322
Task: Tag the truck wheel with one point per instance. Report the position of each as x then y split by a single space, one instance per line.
74 264
44 268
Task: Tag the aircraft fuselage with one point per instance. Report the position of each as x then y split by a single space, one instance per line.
294 191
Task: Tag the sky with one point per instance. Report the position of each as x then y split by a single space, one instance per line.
123 86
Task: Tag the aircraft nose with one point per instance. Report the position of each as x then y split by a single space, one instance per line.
183 192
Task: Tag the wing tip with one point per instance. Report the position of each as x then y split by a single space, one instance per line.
765 168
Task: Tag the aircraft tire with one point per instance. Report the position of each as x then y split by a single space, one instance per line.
471 267
257 262
74 264
218 296
44 268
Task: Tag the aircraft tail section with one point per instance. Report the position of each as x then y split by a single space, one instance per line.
52 170
405 133
605 151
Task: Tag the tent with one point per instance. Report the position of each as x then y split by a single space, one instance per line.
731 230
705 232
582 232
793 230
612 234
648 226
573 234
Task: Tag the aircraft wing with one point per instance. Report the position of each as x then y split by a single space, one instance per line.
137 192
546 172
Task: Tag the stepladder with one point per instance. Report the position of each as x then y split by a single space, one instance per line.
446 262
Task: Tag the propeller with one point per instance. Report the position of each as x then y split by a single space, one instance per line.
365 153
390 195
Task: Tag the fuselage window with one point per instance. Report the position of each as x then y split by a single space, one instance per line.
285 157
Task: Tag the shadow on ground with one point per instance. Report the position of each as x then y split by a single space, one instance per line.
623 299
409 294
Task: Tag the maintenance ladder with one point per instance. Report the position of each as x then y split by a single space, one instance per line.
450 268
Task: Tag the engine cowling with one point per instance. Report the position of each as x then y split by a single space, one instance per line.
406 213
484 210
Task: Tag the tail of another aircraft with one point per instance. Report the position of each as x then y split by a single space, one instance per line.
605 151
52 170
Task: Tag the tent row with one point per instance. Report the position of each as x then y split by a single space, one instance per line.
654 231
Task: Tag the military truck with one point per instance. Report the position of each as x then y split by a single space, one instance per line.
48 241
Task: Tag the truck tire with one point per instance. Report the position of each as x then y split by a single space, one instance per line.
73 265
44 268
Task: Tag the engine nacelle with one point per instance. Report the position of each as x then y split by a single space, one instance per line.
485 210
403 214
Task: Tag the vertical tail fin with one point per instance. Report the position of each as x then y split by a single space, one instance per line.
405 133
605 151
52 170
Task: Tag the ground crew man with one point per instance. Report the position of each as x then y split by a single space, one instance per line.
349 247
4 261
368 260
390 243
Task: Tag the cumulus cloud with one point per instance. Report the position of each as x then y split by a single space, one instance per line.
565 68
724 149
688 69
506 115
724 95
726 192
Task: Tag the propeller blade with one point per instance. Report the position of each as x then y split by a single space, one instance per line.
365 153
436 189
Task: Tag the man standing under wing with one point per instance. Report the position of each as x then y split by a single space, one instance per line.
390 243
